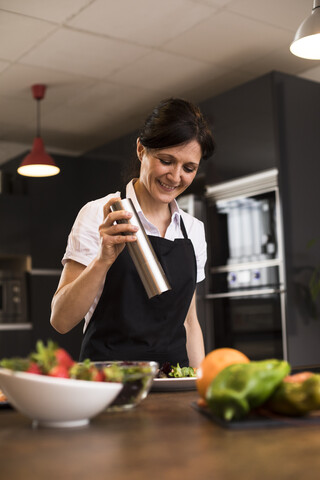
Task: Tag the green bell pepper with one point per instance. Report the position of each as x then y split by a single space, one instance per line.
296 399
241 387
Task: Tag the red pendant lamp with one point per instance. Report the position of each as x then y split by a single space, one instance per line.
38 163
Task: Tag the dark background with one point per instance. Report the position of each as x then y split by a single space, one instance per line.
272 121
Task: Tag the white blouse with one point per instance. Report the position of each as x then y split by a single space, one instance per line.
84 240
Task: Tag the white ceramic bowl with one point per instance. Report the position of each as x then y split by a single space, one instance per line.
56 402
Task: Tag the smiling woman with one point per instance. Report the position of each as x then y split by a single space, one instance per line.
165 174
99 280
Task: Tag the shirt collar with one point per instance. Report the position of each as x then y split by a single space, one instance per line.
130 193
174 208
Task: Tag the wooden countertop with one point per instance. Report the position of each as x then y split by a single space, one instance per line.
162 438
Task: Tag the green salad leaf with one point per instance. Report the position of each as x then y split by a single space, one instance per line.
180 372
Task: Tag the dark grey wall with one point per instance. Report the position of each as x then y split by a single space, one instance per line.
242 121
40 217
298 116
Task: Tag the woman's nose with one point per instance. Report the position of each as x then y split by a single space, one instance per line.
175 174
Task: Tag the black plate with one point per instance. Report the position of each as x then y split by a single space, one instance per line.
261 419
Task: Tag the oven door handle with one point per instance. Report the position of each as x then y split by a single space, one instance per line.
245 293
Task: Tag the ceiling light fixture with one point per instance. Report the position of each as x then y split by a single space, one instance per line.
306 43
38 163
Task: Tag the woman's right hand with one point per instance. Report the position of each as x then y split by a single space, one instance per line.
114 236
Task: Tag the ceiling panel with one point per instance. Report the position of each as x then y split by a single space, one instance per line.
163 71
19 33
118 99
229 40
16 82
83 54
214 3
312 73
287 14
108 62
3 65
278 60
213 85
146 22
54 11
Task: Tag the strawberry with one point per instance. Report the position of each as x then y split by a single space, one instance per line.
98 376
63 358
59 371
34 368
50 356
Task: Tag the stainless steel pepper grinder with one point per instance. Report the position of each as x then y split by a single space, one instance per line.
142 253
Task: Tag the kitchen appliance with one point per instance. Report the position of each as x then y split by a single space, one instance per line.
13 307
146 262
245 281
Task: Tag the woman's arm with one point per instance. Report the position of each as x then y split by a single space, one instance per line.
77 289
195 345
79 285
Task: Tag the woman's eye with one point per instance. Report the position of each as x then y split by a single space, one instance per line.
165 162
189 169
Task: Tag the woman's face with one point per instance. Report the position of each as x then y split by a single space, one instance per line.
167 172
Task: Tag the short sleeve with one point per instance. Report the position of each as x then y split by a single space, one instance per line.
84 240
201 253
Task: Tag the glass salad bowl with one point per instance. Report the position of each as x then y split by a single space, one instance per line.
136 377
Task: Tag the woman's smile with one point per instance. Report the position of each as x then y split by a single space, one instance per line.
167 187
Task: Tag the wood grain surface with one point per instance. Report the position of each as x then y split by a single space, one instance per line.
162 438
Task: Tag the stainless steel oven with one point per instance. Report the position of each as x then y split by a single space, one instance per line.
13 308
245 287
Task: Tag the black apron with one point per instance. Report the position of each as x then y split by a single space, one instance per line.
127 325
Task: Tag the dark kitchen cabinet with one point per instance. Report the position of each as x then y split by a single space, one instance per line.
42 286
15 224
273 122
242 122
15 343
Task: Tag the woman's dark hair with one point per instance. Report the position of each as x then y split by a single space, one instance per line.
173 122
176 121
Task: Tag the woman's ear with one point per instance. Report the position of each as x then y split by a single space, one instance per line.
140 149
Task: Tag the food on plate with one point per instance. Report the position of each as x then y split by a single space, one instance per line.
296 395
175 371
239 388
3 398
213 363
181 372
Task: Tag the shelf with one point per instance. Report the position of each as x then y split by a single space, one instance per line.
15 263
15 326
276 262
245 293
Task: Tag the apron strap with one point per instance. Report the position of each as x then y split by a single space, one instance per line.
183 228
